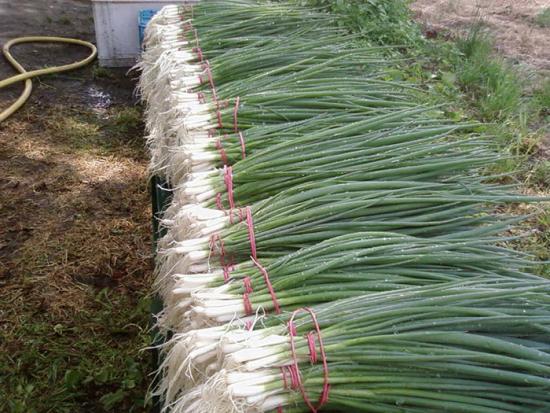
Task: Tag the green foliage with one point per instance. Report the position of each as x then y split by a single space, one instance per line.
385 22
540 175
127 119
543 18
492 86
541 97
92 361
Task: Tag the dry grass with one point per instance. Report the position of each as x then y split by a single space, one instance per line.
75 224
512 23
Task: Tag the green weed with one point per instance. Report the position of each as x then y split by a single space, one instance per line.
91 361
543 18
386 22
493 88
99 72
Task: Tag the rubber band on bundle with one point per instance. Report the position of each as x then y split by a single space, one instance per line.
323 398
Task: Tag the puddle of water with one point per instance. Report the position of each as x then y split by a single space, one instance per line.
99 99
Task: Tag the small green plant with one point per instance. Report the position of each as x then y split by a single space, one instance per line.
92 361
99 72
493 87
386 22
540 175
127 119
65 21
542 97
77 130
543 18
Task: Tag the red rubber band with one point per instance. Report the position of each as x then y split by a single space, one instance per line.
223 155
292 329
249 324
323 398
209 74
283 373
247 305
251 235
247 284
241 138
295 380
312 350
219 204
268 284
216 239
228 180
219 116
227 272
201 97
198 51
235 112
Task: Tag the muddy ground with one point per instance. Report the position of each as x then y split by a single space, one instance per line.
75 251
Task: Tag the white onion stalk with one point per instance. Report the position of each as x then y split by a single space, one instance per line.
174 116
189 355
228 391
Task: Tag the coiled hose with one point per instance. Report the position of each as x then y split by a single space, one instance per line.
27 76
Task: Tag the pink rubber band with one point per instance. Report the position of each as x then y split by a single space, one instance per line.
292 329
311 344
198 51
251 236
268 284
247 284
219 204
241 138
227 272
228 180
215 238
323 398
247 305
235 112
223 155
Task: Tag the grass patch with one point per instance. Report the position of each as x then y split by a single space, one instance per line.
385 22
543 18
79 130
127 120
120 128
492 87
99 72
90 359
65 21
540 176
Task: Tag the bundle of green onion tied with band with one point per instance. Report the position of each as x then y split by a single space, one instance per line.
477 346
331 244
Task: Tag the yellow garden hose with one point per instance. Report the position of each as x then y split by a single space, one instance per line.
26 76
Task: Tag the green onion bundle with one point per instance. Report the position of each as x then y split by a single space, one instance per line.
310 213
340 267
477 346
347 152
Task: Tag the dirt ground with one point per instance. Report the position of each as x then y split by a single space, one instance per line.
75 251
511 22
